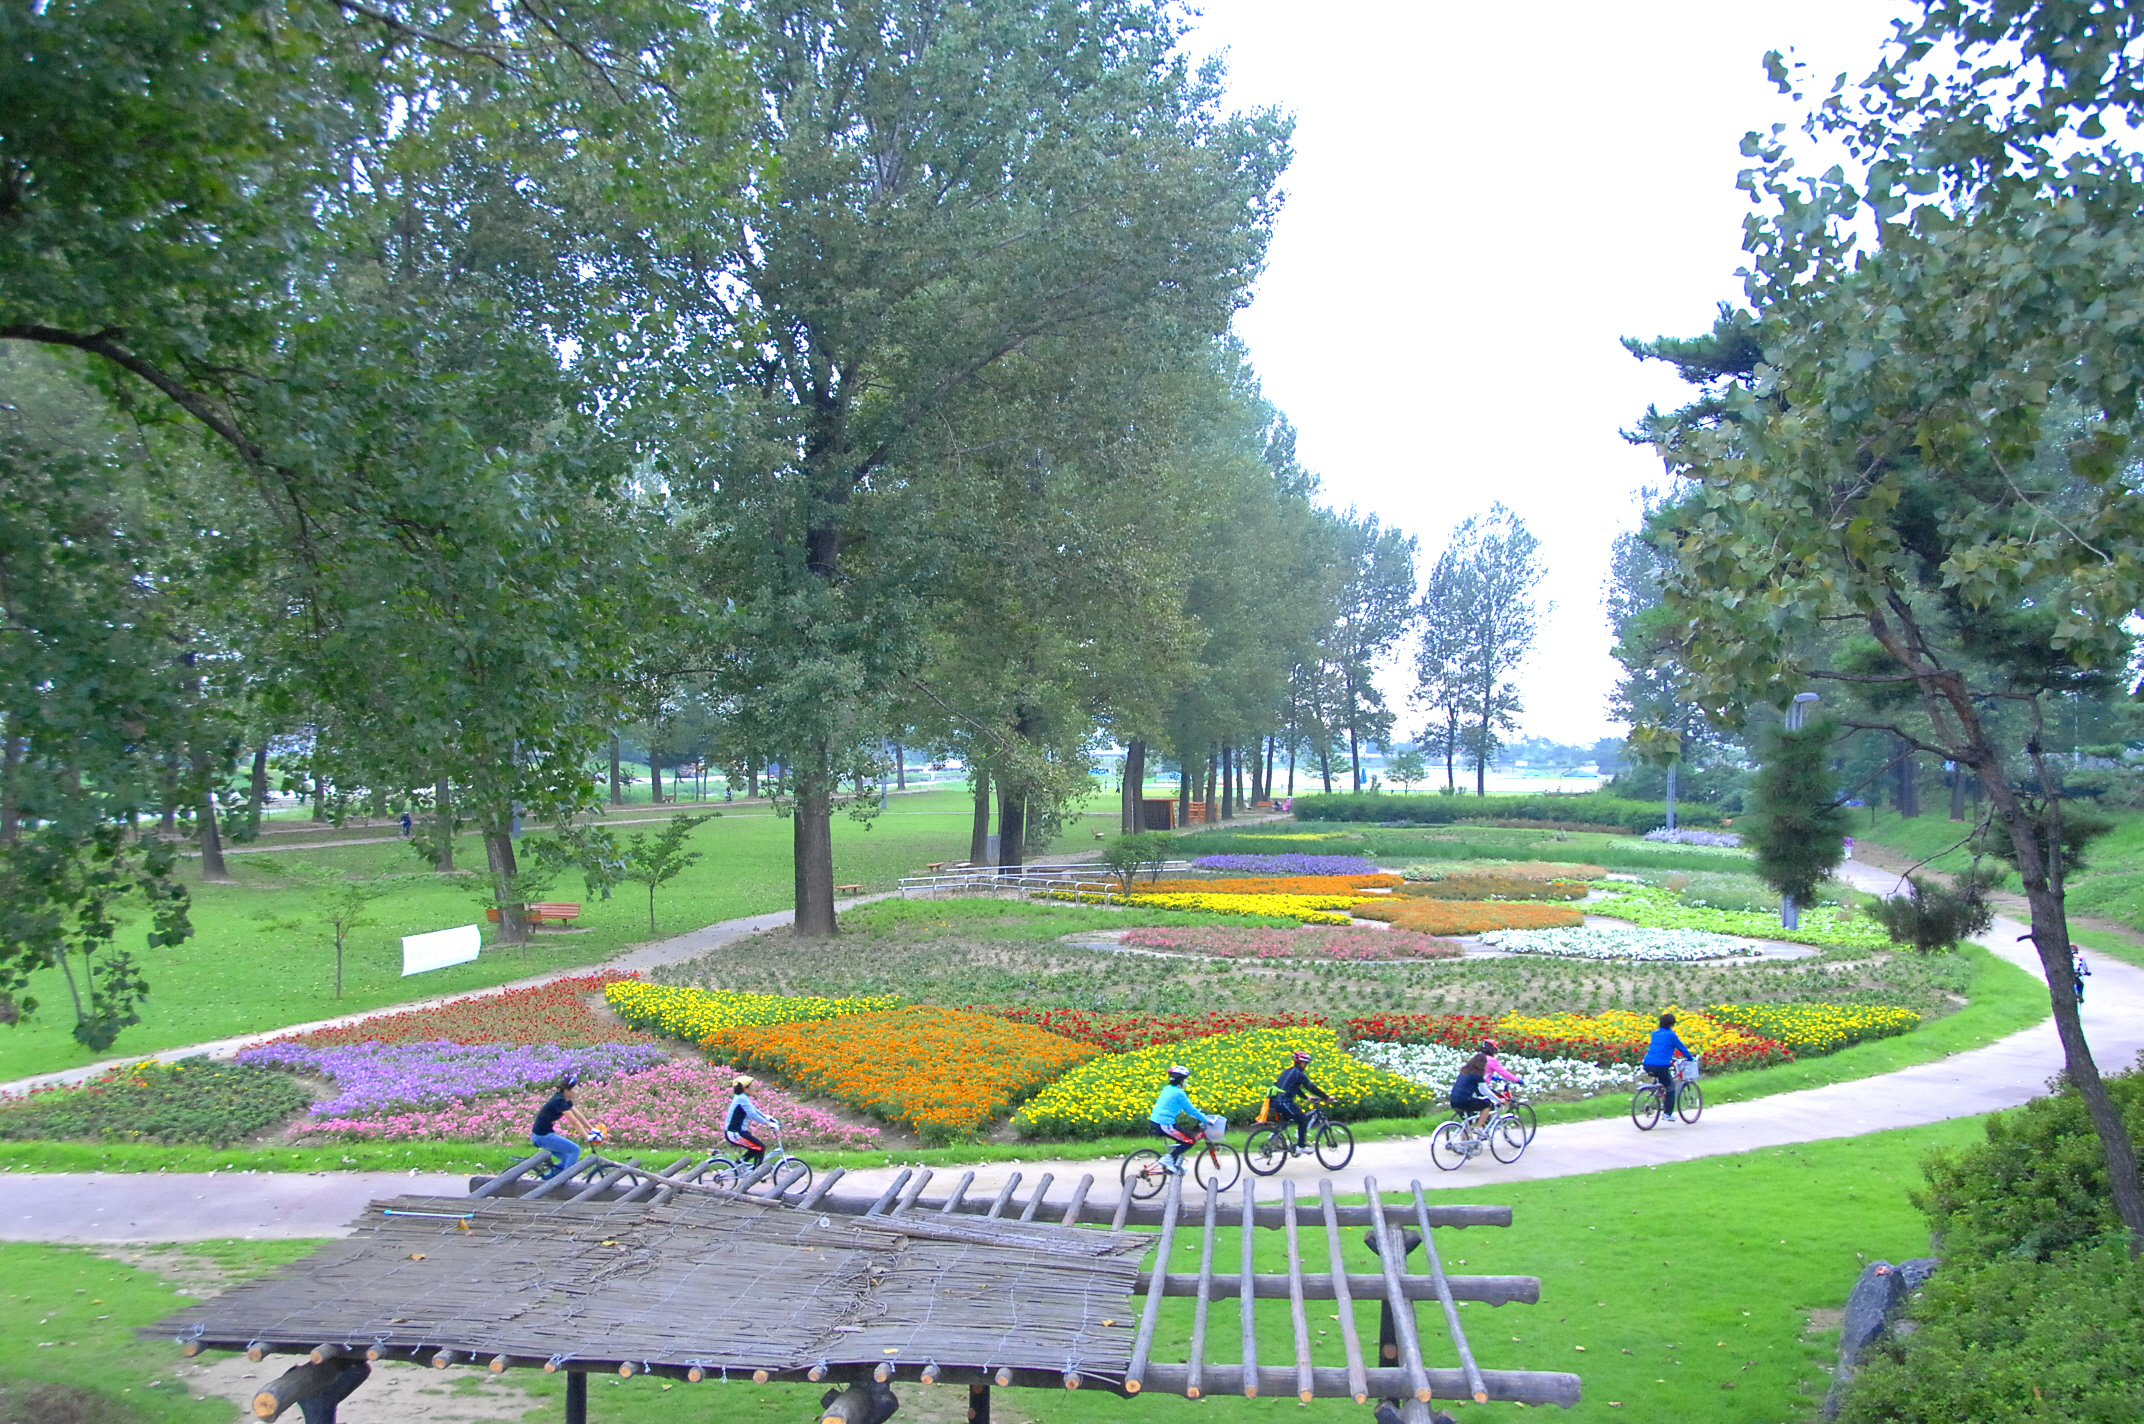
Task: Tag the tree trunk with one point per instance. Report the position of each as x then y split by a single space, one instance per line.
1325 763
513 915
1957 792
257 793
1184 788
1481 763
1673 767
443 821
1291 768
1228 782
213 869
1905 783
1135 777
751 779
655 777
320 798
979 828
900 767
813 810
1213 767
1354 754
617 773
1012 826
10 771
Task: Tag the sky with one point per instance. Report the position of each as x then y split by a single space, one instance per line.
1482 202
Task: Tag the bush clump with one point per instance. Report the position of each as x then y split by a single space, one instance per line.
1588 809
195 1102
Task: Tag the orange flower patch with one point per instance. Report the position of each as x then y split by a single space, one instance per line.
945 1073
1466 917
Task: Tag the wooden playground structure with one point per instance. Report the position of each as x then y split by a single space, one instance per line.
626 1270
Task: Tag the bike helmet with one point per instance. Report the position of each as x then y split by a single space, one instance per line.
1488 1045
569 1080
1302 1055
1178 1072
742 1083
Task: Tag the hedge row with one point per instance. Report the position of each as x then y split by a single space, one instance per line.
1589 808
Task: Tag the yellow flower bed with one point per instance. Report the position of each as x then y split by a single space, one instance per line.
693 1014
1308 909
1231 1074
1817 1028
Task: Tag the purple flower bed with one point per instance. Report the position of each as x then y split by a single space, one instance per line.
375 1077
1288 864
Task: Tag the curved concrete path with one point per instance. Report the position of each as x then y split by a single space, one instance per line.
111 1207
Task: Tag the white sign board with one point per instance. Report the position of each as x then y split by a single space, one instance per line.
440 949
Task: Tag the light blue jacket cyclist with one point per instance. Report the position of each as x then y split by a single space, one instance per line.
1172 1106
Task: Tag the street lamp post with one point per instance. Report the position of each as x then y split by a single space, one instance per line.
1790 914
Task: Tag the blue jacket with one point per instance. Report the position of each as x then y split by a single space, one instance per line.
1661 1051
1173 1103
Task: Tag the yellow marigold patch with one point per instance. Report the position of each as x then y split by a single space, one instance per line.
693 1014
1818 1028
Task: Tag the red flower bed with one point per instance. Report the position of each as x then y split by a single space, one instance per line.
548 1013
1123 1031
1450 1030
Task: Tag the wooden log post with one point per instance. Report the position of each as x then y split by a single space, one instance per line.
1388 1336
868 1403
317 1388
576 1397
978 1404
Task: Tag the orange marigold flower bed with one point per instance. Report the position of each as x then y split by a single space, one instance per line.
557 1012
1121 1031
1465 917
946 1073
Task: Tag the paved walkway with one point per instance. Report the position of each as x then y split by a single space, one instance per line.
102 1207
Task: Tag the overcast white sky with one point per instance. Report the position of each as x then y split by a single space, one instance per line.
1483 201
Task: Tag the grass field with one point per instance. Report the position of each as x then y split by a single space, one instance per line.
1682 1292
247 968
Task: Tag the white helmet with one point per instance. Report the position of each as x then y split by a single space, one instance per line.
1178 1070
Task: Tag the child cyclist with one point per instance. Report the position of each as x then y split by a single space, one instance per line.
1173 1104
743 1117
558 1108
1293 1082
1467 1089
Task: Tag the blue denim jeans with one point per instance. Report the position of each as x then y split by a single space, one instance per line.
565 1149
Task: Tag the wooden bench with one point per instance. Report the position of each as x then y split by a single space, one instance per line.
938 865
848 889
543 910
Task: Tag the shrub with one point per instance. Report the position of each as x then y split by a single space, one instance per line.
1935 917
1230 1075
1469 917
556 1012
1121 1032
946 1073
1588 808
693 1014
194 1102
1491 886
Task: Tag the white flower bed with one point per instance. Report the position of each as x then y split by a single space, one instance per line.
1649 946
1435 1066
1679 836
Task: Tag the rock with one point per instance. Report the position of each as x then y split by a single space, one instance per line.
1879 1293
1917 1271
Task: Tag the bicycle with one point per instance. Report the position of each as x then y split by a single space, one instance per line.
1214 1164
1462 1137
1270 1145
1507 1097
1647 1104
789 1174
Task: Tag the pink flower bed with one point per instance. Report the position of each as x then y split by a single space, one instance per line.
678 1104
1306 942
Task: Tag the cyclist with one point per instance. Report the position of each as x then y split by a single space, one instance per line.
1660 1056
2079 970
1467 1094
1293 1082
565 1152
737 1127
1174 1104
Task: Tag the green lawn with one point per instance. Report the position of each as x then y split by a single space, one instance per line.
1688 1287
245 971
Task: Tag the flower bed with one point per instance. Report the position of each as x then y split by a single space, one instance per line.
1817 1028
194 1101
1617 1036
1683 835
385 1077
1497 887
946 1073
1528 869
693 1014
1307 909
1642 946
1655 907
1318 942
1273 885
556 1012
1230 1075
1288 864
1434 1066
678 1104
1470 917
1121 1032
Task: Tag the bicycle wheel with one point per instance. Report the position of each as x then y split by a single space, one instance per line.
1142 1173
1527 1118
1266 1149
1645 1107
1507 1138
1335 1144
1445 1148
792 1176
1690 1102
1217 1165
718 1172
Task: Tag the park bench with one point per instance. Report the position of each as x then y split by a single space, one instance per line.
543 910
848 889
